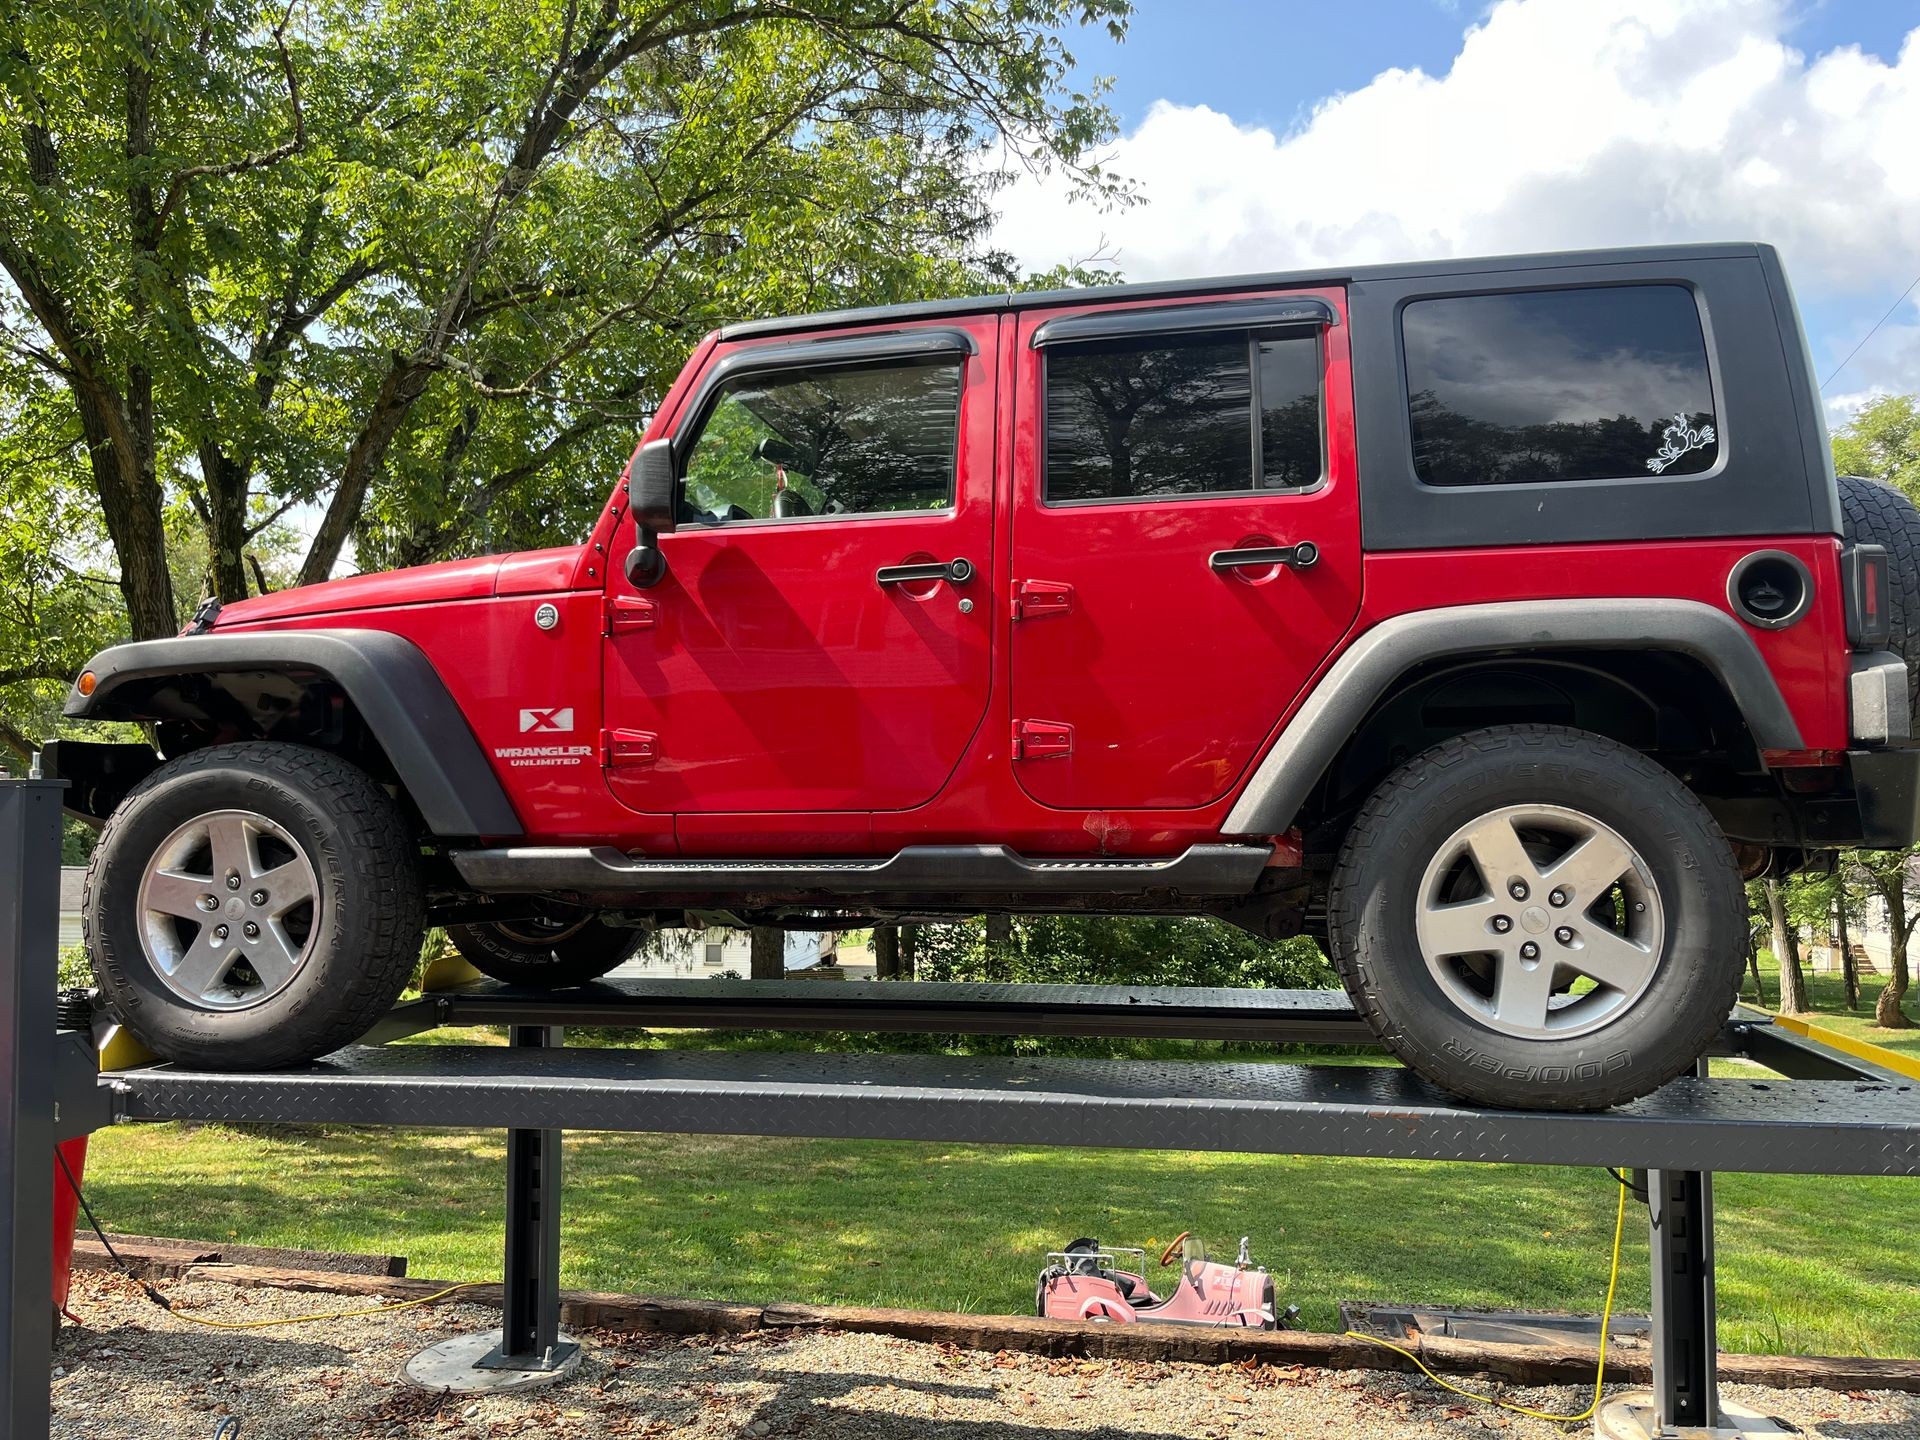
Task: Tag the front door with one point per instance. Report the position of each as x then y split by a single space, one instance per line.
801 654
1168 461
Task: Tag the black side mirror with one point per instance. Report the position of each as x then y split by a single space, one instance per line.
654 491
655 487
646 567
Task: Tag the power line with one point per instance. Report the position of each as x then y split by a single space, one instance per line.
1871 333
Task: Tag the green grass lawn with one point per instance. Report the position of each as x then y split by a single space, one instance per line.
1830 1006
1808 1265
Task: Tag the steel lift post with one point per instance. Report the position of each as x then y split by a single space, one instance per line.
1841 1114
29 947
530 1336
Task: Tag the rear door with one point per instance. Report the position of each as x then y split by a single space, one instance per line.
804 652
1162 456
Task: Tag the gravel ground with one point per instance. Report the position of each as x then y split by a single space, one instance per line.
133 1372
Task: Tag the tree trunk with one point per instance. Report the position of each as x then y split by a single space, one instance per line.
767 948
886 952
909 945
1753 966
1886 1010
227 488
1786 951
1849 972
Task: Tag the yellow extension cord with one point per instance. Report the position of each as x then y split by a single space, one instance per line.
193 1319
1600 1370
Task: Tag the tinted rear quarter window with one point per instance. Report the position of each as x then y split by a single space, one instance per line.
1172 416
1550 385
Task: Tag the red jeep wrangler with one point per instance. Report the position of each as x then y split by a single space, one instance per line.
1487 620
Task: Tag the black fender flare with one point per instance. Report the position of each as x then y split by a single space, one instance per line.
1370 666
390 681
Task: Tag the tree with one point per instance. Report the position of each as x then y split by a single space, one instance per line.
1882 442
886 952
1108 949
414 265
1888 875
1786 949
767 953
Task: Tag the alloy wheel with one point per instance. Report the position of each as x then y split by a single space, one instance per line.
1540 922
229 906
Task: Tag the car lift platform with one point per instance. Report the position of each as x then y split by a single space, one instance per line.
1839 1113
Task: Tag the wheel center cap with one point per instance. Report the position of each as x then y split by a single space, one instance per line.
235 908
1534 920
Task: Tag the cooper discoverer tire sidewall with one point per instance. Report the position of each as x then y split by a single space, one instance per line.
1374 894
367 927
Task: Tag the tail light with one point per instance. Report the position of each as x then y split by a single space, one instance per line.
1869 602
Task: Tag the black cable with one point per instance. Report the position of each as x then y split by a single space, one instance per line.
1639 1192
87 1210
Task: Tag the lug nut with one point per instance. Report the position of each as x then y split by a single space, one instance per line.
1501 924
259 897
1564 934
209 904
233 882
252 930
219 932
1529 951
1558 897
1517 889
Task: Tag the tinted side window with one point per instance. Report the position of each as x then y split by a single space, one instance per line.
1171 416
1559 385
847 441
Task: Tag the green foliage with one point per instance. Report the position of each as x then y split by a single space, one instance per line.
1105 949
1882 442
427 268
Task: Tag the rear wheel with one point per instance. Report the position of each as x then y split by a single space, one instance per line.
253 905
549 951
1539 917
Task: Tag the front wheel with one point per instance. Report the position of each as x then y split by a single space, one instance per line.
253 905
547 952
1539 918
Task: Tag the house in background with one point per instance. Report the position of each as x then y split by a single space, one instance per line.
720 950
73 879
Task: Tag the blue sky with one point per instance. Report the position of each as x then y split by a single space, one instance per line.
1265 134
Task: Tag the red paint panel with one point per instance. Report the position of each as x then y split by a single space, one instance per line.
420 585
1169 672
532 572
781 677
1808 659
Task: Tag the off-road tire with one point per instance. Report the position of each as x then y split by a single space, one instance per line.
1874 513
367 928
1371 919
575 958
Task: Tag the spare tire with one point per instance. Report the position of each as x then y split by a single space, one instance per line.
1874 513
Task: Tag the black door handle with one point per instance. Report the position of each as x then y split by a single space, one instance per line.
954 572
1298 557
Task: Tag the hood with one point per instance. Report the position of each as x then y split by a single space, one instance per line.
477 579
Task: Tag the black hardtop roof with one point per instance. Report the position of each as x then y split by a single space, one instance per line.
1216 284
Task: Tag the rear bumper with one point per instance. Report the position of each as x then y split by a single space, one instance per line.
1886 797
1877 698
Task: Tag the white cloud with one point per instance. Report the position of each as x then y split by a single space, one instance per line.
1560 124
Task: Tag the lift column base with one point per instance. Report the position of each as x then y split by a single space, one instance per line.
1633 1416
479 1363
